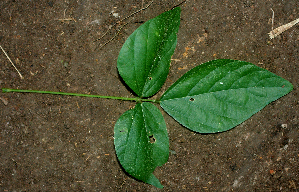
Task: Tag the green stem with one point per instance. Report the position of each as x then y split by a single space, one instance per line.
5 90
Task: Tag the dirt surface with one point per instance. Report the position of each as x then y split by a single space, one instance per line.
64 143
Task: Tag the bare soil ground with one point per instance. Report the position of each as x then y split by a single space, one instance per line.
64 143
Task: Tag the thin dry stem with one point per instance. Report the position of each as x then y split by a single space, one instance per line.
66 19
179 4
12 62
118 31
272 18
121 26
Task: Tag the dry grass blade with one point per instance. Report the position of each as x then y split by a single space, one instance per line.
275 32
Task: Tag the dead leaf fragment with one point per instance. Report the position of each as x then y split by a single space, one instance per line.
202 38
187 51
5 101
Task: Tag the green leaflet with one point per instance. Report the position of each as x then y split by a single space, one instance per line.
220 94
144 59
141 142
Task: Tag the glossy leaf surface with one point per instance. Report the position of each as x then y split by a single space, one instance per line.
144 59
141 142
220 94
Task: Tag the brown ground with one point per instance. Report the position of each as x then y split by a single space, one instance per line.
63 143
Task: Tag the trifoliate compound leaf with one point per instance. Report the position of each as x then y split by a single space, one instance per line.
220 94
144 59
141 142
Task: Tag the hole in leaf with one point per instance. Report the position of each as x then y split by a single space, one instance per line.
191 99
150 78
152 139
